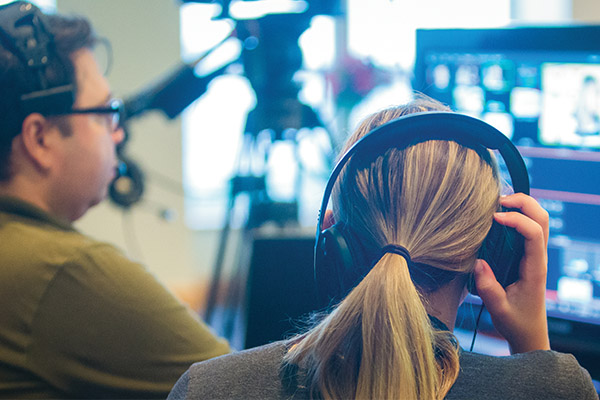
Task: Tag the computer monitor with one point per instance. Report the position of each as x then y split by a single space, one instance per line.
540 86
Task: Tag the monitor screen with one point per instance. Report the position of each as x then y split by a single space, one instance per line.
541 88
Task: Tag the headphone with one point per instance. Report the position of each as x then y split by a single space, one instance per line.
23 32
340 260
127 188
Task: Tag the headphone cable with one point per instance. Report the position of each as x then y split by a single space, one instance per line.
476 326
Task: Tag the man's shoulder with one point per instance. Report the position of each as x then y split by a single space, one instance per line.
50 239
37 249
32 228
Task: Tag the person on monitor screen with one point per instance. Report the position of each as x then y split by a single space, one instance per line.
392 339
78 318
587 109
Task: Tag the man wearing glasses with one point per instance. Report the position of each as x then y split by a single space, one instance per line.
78 319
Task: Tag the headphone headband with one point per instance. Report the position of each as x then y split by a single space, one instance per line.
25 33
438 125
340 262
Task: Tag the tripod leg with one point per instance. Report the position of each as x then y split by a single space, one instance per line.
220 258
218 266
234 309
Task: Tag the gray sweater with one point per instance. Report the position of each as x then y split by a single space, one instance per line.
256 374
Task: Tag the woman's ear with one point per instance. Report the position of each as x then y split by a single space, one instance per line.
328 220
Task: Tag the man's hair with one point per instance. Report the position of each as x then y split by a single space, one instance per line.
67 35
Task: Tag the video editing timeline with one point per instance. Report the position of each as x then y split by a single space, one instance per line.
548 104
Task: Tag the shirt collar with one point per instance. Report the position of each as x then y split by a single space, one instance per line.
437 324
13 205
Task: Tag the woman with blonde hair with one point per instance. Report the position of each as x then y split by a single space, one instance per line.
418 214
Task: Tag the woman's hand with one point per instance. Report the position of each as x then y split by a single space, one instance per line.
519 311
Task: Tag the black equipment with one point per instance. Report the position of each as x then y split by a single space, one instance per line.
23 31
338 262
280 289
173 93
128 187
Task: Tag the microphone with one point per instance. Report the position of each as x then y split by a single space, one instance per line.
172 94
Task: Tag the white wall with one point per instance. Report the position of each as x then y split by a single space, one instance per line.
586 11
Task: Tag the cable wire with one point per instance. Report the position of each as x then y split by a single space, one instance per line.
476 326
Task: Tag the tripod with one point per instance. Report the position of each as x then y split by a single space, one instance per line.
271 57
251 180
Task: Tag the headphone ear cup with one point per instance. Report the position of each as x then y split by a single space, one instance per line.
333 264
503 249
127 188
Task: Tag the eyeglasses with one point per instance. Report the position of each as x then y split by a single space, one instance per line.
112 111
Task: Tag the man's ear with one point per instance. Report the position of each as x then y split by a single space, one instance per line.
328 220
35 140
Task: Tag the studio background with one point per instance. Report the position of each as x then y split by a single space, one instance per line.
145 37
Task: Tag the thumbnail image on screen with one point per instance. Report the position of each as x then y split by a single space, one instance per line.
570 105
574 282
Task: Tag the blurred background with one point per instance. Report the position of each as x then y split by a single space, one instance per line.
236 110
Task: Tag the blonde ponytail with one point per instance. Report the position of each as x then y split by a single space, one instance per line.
397 336
378 343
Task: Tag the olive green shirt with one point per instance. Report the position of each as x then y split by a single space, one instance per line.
80 320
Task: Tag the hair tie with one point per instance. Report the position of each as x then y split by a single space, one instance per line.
424 276
396 249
